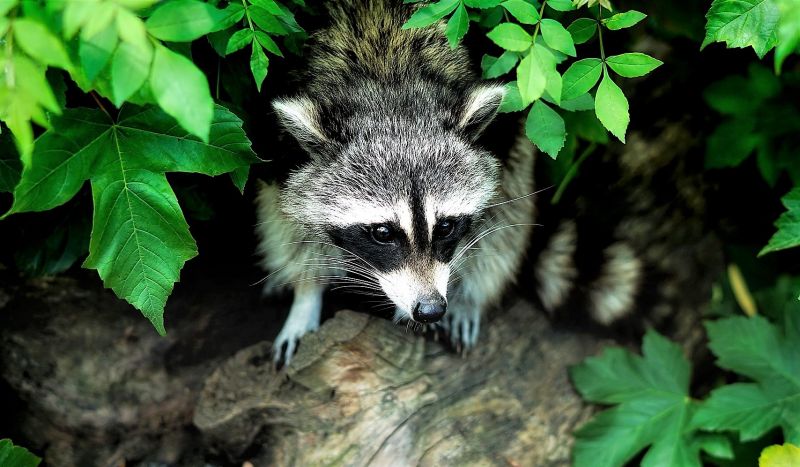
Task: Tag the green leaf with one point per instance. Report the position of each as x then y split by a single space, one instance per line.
15 456
132 30
96 52
759 350
731 143
788 225
267 21
184 20
556 37
457 26
10 165
6 6
65 242
99 16
611 107
581 76
482 4
716 445
232 14
785 455
501 65
585 125
258 64
788 32
139 237
531 77
624 20
545 128
181 90
742 23
511 36
582 29
512 101
267 43
41 44
129 70
561 5
654 407
737 95
430 14
27 101
524 12
268 5
239 40
582 102
133 208
239 177
632 65
553 85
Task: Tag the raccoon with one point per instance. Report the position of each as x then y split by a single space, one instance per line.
397 197
400 196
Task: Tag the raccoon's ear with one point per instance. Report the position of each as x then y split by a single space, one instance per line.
480 108
300 117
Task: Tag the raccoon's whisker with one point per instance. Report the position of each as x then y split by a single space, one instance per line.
519 197
489 232
350 266
374 270
343 265
265 278
354 291
461 263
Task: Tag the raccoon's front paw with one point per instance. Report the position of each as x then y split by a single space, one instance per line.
285 345
462 325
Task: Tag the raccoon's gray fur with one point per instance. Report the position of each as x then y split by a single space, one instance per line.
396 191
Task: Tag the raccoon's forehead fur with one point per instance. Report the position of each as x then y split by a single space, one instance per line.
382 160
389 117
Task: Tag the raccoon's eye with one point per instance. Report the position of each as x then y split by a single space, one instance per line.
443 228
382 233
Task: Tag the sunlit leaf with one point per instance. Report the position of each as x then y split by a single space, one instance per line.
743 23
611 107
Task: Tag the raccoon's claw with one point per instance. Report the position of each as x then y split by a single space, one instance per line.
285 345
283 351
463 328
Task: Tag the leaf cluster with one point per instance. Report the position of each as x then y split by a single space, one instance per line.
652 406
534 46
156 115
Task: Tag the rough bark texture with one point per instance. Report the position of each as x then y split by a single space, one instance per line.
362 392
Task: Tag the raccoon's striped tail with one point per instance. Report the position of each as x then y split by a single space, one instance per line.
635 241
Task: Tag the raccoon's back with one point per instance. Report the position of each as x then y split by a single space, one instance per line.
366 40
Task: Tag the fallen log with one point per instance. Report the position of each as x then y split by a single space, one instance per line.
364 392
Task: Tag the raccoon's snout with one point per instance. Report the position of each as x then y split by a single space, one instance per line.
430 309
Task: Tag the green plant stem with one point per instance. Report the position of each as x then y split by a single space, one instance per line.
216 85
573 170
247 15
600 35
539 23
100 104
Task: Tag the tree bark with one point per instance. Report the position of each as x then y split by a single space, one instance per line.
364 392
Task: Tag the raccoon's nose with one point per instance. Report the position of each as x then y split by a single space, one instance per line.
429 310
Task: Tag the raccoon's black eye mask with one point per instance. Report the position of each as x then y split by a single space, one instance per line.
386 246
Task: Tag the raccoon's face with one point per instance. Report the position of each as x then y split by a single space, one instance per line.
397 195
